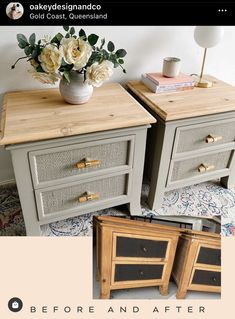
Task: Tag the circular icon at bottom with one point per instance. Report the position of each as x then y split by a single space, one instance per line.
15 304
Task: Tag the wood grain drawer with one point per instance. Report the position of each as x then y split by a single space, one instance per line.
140 248
209 256
210 164
197 137
63 164
137 272
206 277
76 197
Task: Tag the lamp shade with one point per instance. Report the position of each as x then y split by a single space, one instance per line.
208 36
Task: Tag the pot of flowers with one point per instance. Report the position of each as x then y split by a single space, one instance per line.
78 61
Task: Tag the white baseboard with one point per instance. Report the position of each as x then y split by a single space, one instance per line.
9 181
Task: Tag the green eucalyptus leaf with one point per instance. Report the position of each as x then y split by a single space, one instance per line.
120 61
121 53
67 76
67 35
57 38
110 46
82 34
28 50
40 69
32 39
35 53
92 39
72 31
21 37
22 44
66 28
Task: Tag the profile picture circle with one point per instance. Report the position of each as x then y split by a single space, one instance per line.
14 10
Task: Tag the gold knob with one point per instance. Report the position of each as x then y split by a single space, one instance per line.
88 197
205 168
212 139
87 163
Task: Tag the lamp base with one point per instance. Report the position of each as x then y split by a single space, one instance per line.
203 84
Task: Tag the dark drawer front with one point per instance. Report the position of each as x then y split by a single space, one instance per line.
138 272
205 277
137 247
209 256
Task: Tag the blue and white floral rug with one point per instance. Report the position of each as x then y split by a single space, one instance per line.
206 199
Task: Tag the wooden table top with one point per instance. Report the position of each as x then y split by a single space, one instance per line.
185 104
42 114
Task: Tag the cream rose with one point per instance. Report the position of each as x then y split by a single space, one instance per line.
50 58
97 73
45 78
76 51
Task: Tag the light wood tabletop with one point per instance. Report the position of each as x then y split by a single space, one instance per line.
42 114
191 103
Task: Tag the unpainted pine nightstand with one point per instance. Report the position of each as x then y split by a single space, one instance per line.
193 140
74 159
197 264
133 254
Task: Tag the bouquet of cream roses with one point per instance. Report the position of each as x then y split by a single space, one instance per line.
55 58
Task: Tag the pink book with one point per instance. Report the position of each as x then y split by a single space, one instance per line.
159 79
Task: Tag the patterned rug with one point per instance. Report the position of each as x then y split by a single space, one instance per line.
206 199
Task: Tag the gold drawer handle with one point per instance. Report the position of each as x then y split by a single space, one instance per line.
87 163
213 139
205 168
88 197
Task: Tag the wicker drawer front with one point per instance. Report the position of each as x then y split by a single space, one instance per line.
196 137
189 168
209 256
134 272
74 196
207 278
140 248
59 163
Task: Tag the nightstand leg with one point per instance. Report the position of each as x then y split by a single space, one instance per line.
181 294
105 262
229 181
164 290
138 169
162 142
104 291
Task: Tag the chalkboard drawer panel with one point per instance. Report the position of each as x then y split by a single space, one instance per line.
206 277
140 247
209 256
137 272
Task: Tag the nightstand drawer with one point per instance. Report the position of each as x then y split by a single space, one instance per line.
206 277
205 135
137 272
209 256
197 167
76 197
66 163
140 248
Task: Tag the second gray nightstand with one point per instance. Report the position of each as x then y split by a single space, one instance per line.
193 140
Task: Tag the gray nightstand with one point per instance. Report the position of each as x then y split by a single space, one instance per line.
193 140
74 159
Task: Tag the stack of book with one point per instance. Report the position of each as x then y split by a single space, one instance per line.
158 83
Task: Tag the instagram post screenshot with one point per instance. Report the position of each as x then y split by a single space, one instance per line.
117 159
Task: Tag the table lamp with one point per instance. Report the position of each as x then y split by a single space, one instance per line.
207 37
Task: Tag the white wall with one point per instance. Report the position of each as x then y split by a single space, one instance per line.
146 47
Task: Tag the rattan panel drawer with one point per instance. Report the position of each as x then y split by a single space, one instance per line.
140 248
59 164
189 168
130 272
209 256
200 136
206 277
63 200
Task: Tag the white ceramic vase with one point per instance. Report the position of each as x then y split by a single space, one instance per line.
76 91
